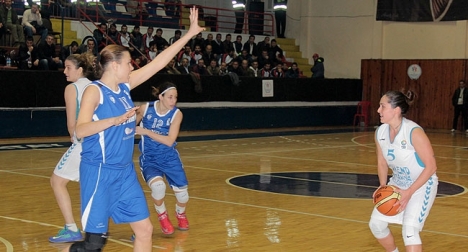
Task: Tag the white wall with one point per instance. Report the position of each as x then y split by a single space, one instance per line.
344 32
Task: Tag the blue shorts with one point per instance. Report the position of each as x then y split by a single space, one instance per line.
110 192
166 164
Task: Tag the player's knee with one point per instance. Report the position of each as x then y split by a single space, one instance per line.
411 235
181 194
91 243
158 189
379 228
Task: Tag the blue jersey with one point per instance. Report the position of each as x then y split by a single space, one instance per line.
160 125
114 145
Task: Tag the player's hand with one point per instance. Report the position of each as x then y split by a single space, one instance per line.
140 131
405 197
127 115
194 27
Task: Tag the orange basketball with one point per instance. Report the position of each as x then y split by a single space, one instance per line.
385 198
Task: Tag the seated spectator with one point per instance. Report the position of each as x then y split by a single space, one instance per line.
263 45
265 72
263 59
293 71
278 72
244 68
245 56
251 47
279 59
160 41
238 46
67 50
153 51
28 55
9 20
171 7
274 50
136 9
137 63
208 54
234 68
137 40
90 47
218 47
32 22
100 36
171 68
198 40
177 35
227 44
209 42
229 58
254 71
223 69
197 54
124 38
112 35
147 38
186 54
184 67
200 68
213 68
47 58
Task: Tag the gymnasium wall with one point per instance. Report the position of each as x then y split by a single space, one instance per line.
32 103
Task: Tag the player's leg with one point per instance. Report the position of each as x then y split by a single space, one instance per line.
67 169
383 234
143 231
158 193
182 197
411 238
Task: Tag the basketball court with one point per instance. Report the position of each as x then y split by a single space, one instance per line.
307 189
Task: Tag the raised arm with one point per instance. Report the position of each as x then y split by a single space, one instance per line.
141 75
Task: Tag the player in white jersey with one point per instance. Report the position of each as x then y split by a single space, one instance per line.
403 147
78 68
160 124
106 122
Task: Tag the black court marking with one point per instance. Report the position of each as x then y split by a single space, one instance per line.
29 146
324 184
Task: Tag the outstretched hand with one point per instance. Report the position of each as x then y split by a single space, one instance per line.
194 27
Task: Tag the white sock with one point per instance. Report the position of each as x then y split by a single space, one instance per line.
396 250
179 209
72 227
160 209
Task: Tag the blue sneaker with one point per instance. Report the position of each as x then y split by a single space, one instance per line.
66 235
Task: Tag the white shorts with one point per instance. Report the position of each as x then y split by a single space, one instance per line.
69 165
417 209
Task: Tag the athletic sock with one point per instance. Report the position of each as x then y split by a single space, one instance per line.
179 209
396 250
72 227
160 209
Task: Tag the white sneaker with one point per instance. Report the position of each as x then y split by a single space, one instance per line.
453 130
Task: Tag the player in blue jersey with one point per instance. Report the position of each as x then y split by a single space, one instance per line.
403 147
106 122
160 124
78 68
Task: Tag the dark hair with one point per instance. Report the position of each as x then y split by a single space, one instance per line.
163 87
85 61
159 29
398 99
178 32
124 25
239 36
73 44
108 54
29 38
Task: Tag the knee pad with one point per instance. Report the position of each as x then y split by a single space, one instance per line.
181 194
158 189
92 243
411 235
379 228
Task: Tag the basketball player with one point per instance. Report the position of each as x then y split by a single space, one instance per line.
403 147
106 122
160 124
78 68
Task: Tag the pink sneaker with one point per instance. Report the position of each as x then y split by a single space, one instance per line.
166 225
183 222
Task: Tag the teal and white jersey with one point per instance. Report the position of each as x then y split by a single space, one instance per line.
400 154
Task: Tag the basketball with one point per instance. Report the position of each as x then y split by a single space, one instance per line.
385 198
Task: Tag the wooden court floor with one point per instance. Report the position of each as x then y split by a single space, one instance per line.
227 217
